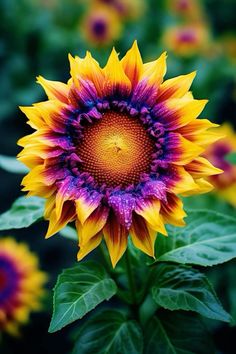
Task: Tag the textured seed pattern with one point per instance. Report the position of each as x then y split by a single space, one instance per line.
116 150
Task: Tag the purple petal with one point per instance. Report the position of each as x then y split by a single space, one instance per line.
123 205
85 96
144 94
154 188
172 152
170 119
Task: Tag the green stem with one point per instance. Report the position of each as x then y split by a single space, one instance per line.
147 310
104 256
130 275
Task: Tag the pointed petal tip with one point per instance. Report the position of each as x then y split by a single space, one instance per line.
135 45
113 51
41 80
88 54
114 261
70 56
164 55
49 235
112 59
115 257
23 108
193 73
203 102
218 171
79 256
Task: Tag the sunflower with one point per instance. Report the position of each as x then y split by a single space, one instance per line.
188 39
112 149
101 26
225 183
21 285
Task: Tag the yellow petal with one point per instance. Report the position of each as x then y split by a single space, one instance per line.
176 87
206 138
49 206
155 71
56 224
149 210
116 237
115 77
59 202
51 113
188 151
132 64
30 161
143 236
93 72
195 127
184 110
34 177
184 181
201 167
85 205
172 211
87 68
54 89
75 68
36 121
203 186
93 224
88 247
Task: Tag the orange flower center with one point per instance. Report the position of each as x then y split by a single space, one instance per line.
116 150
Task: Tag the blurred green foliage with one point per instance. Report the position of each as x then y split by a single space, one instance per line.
37 35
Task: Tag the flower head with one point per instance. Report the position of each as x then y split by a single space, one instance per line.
187 40
225 183
112 149
101 26
21 284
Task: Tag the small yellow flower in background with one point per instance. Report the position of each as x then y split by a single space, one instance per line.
225 183
113 148
187 40
21 285
101 26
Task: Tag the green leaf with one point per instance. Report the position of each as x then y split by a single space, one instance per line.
70 233
209 238
109 332
176 333
184 288
79 290
23 213
231 157
11 164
